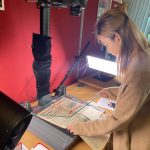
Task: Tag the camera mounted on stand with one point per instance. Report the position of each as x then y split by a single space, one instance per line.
75 5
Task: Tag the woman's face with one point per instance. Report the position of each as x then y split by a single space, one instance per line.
113 45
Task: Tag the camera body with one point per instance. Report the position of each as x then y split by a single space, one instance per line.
76 6
62 3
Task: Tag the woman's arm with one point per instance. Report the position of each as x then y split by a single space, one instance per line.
129 103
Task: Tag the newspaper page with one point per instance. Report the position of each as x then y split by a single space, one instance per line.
67 111
96 143
64 112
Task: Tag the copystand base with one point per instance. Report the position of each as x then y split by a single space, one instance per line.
60 91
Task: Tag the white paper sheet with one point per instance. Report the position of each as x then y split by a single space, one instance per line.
92 113
107 103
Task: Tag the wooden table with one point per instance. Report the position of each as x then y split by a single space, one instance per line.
83 92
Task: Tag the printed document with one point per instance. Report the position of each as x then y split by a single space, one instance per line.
106 103
67 111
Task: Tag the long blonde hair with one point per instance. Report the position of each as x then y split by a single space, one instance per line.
116 21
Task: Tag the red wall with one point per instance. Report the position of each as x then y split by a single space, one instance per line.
17 23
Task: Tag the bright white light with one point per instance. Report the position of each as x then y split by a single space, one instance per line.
102 65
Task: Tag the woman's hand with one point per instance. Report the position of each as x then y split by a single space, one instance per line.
110 92
72 129
105 93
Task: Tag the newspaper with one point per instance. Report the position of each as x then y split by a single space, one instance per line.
96 143
64 112
67 111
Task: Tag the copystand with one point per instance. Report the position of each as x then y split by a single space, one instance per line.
41 44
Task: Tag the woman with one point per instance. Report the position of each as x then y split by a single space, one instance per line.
129 124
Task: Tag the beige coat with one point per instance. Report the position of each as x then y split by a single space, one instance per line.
130 122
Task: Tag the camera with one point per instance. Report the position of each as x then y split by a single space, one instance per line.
62 3
76 6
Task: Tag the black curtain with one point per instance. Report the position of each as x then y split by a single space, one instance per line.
41 49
